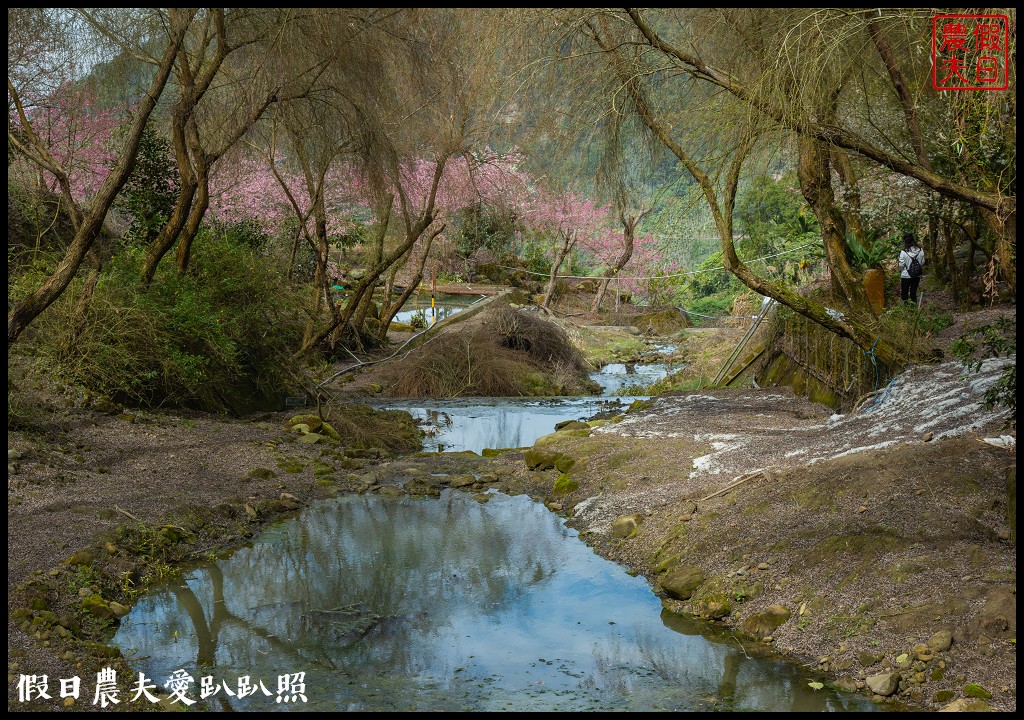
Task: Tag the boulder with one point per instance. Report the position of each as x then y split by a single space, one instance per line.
966 705
761 625
681 582
625 525
564 485
311 423
537 459
941 641
564 463
884 684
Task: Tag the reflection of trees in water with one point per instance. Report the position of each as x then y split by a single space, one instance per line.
712 666
407 571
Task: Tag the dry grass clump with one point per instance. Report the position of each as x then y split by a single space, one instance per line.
506 354
361 426
545 343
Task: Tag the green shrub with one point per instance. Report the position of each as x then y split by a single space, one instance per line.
216 338
992 341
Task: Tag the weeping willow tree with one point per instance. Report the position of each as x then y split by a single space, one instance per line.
422 94
719 87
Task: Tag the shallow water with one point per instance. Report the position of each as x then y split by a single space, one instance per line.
445 604
444 306
618 377
478 423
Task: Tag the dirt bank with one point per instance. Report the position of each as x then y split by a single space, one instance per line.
873 535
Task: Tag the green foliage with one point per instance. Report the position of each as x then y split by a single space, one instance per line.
772 214
243 233
872 253
215 338
483 226
717 305
711 277
149 194
418 321
534 258
992 341
357 232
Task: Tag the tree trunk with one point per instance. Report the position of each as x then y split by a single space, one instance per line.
29 308
388 312
816 187
560 254
1004 226
195 219
628 238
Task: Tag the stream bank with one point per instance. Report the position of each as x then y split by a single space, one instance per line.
930 549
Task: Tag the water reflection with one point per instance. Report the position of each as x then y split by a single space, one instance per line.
616 377
443 306
444 604
478 423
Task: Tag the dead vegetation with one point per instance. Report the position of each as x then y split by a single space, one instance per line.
507 353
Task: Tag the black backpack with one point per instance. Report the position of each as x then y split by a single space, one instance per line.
915 267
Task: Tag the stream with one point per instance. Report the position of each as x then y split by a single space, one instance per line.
377 603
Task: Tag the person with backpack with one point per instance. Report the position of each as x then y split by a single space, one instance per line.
911 263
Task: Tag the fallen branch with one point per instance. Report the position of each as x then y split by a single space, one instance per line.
128 514
739 481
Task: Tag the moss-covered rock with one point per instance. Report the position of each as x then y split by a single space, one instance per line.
311 423
625 525
290 465
715 607
564 463
973 690
97 607
540 459
667 564
638 405
565 485
118 609
328 430
682 582
83 557
761 625
261 473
